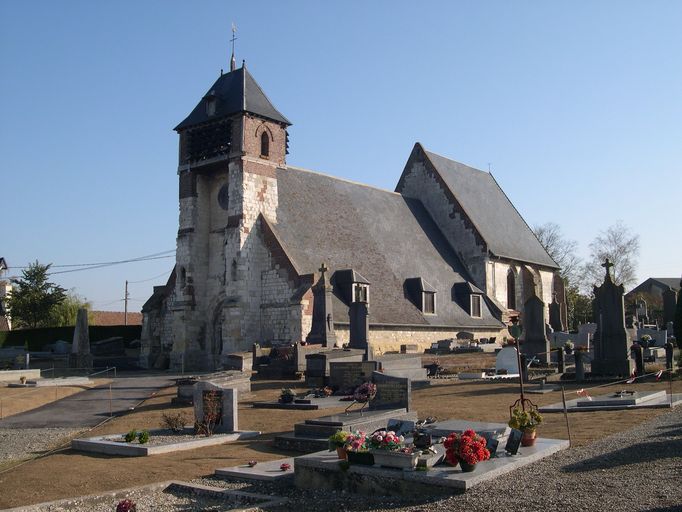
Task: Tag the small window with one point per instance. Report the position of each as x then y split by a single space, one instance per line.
264 145
429 306
210 106
476 306
361 293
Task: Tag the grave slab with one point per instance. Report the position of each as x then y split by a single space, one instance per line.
308 404
321 470
622 398
443 428
104 444
269 471
602 403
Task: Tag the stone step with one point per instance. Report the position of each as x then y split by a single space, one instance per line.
306 430
354 417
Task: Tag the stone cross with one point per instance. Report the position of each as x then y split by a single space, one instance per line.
322 328
607 265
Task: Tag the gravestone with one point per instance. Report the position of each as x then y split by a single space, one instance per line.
346 376
555 315
464 335
392 392
611 356
669 303
80 348
317 369
535 343
409 348
446 345
228 406
658 337
322 329
641 311
507 361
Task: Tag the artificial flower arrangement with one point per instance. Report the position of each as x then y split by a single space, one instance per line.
338 440
525 420
568 347
468 447
365 392
356 442
386 440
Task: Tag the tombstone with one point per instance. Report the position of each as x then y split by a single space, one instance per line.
62 347
535 343
80 348
228 405
346 376
669 351
561 360
524 368
359 324
322 329
446 345
669 303
611 355
464 335
658 337
240 361
507 361
392 392
555 320
409 348
638 356
579 365
317 369
641 311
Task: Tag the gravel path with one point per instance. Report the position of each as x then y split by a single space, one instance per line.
22 444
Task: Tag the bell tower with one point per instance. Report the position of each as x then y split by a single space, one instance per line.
231 147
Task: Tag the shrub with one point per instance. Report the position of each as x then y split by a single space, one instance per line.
174 421
130 436
143 437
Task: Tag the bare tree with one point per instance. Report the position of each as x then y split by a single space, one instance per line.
561 250
621 246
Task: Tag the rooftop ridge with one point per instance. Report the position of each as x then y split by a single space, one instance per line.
345 180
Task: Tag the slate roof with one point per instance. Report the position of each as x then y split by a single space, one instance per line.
382 235
663 282
235 92
492 213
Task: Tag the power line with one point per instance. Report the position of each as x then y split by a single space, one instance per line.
139 258
150 278
111 264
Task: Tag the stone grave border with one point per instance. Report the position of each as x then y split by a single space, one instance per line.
572 405
268 471
168 485
102 444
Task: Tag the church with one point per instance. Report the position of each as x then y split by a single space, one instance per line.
445 253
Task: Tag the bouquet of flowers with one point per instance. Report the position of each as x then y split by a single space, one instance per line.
356 442
468 447
525 420
338 440
365 392
386 440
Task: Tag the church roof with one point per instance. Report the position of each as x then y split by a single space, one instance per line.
494 216
381 235
236 91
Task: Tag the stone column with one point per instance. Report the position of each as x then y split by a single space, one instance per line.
80 350
579 365
669 351
638 353
561 360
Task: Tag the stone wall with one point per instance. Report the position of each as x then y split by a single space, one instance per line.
387 339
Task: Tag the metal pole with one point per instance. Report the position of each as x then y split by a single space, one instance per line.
670 386
125 310
111 410
518 359
568 427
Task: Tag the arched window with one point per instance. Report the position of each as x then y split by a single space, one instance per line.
511 290
264 145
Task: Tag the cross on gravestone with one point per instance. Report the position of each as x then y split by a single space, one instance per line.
607 265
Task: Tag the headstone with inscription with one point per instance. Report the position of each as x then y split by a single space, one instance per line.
507 361
212 399
392 392
669 303
535 343
346 376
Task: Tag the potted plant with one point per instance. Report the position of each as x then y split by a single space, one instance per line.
526 422
568 347
337 441
357 450
467 449
287 396
389 450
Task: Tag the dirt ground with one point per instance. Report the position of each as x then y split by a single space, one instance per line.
68 473
16 400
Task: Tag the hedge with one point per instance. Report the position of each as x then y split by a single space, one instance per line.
38 338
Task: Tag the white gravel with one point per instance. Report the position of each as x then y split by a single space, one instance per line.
20 444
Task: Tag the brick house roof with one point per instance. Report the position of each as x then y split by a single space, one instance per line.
115 318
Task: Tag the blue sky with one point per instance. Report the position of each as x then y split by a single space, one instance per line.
576 106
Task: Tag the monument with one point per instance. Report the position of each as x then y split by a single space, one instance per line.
80 357
555 320
322 329
611 345
535 343
669 304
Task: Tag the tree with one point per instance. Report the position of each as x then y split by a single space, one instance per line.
621 247
65 312
33 299
579 307
561 250
677 320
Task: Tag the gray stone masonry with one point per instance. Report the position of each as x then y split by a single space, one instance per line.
228 401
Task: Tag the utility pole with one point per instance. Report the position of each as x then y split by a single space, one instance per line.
125 300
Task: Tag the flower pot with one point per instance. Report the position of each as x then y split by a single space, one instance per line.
363 458
342 453
467 468
395 459
528 438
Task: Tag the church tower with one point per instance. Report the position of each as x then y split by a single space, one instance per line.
231 146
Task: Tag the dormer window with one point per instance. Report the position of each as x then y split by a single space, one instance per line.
429 303
210 105
422 295
475 306
264 145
